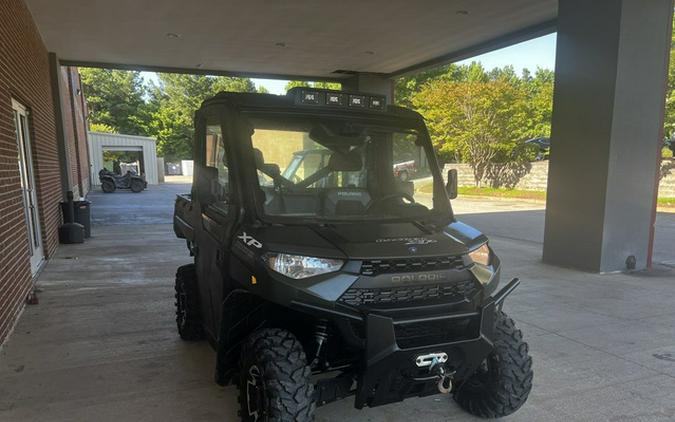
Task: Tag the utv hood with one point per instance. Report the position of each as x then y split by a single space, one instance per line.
367 240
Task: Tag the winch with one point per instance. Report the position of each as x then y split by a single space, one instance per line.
436 363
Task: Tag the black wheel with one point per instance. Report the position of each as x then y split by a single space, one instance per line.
274 379
403 176
503 382
108 186
188 318
137 186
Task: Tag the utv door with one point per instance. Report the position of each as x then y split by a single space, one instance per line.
218 205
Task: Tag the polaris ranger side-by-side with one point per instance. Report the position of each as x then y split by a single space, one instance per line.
328 276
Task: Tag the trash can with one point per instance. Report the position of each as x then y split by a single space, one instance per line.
82 214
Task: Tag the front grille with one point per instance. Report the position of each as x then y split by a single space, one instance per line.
429 293
373 267
426 333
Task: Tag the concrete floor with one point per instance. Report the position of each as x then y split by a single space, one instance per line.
102 345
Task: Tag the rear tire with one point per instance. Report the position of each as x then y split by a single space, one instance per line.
137 186
503 383
274 379
108 186
188 318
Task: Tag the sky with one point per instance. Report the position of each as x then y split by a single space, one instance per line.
539 52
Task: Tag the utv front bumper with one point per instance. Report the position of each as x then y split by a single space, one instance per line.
392 345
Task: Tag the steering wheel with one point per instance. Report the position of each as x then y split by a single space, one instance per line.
389 197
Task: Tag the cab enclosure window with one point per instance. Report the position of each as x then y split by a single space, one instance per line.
215 184
337 169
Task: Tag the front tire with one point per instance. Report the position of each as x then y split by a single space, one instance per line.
503 382
274 379
137 186
188 318
108 186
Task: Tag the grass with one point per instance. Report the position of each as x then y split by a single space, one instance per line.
666 202
491 192
502 193
519 194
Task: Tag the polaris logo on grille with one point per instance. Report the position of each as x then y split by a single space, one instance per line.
417 277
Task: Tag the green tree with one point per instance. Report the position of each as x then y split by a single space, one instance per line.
175 101
534 94
406 86
319 85
479 121
540 103
229 84
668 157
669 120
115 98
101 128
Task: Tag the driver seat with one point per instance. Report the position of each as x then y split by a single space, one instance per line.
345 201
271 169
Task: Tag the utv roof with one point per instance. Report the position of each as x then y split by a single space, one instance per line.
294 100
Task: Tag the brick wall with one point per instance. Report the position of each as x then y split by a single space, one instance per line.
535 177
24 76
667 186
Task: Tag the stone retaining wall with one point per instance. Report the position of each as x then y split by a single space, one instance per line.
535 176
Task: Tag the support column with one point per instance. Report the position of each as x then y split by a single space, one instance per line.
57 89
611 72
372 84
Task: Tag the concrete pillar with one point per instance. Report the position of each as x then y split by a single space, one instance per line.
372 84
611 70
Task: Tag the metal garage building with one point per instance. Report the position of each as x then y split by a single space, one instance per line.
100 142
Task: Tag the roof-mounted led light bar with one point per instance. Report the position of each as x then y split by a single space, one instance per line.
329 98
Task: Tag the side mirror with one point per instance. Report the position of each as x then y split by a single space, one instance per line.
207 181
451 184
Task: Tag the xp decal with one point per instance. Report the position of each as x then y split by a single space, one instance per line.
249 240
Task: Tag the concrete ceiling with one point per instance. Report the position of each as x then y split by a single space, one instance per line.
311 38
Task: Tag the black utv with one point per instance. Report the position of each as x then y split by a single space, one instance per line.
110 181
341 280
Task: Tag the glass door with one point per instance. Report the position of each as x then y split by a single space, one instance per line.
28 187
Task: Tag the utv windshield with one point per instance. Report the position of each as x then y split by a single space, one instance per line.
335 169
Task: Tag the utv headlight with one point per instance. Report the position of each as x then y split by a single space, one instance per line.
298 266
481 255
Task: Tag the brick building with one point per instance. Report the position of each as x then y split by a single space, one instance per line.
43 154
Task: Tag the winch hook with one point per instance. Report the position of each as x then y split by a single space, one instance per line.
445 384
444 379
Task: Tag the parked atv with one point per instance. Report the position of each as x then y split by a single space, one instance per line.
111 181
328 277
405 170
